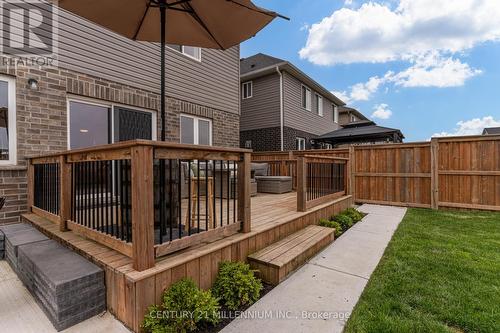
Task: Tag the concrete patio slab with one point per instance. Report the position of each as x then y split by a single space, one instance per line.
321 295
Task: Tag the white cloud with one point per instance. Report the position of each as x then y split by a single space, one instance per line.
429 70
343 96
471 127
304 27
381 111
434 71
364 91
376 32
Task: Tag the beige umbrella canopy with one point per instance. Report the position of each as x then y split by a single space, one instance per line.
217 24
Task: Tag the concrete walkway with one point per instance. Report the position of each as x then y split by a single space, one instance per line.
320 296
19 311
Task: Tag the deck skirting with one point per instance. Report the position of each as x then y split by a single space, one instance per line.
130 292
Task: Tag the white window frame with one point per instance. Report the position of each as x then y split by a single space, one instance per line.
106 104
248 83
353 118
196 133
300 142
12 121
187 55
308 97
335 114
319 104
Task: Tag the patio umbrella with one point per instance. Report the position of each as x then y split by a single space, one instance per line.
217 24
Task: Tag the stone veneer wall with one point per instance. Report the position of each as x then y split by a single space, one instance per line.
42 121
268 139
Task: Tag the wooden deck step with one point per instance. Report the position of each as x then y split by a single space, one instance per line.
275 262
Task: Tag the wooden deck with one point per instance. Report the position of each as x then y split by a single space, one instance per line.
130 292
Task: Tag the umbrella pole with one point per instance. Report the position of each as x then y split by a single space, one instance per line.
163 9
163 201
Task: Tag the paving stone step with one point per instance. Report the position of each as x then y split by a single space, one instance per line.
68 287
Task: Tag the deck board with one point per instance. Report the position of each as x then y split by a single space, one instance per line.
273 218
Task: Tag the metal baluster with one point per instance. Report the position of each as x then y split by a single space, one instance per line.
189 199
198 195
179 194
171 198
235 177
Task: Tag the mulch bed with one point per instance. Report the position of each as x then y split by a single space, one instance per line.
228 316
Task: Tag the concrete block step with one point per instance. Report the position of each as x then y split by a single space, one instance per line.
277 261
68 287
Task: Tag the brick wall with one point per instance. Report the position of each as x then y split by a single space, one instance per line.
289 136
42 120
263 139
268 139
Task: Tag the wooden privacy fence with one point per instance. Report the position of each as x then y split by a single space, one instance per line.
454 172
144 199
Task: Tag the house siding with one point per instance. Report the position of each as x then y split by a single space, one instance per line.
262 110
345 118
301 119
88 48
42 120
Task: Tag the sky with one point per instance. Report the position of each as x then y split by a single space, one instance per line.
427 67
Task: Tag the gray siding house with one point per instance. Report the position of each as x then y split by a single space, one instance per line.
104 89
349 115
281 107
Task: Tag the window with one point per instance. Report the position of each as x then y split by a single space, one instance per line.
335 113
246 90
306 98
248 144
300 143
89 125
328 146
190 51
319 105
196 131
92 123
7 120
353 118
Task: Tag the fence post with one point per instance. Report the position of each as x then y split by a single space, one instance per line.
244 201
301 184
351 168
65 177
143 252
434 173
31 184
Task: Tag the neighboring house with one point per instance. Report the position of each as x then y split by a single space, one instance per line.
361 132
349 115
281 107
106 89
491 131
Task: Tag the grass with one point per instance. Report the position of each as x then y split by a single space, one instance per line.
440 273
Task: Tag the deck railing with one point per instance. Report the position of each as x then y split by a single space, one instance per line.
142 198
320 179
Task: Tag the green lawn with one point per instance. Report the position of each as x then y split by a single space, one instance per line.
440 273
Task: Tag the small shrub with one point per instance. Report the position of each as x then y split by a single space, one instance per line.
344 221
236 285
355 215
186 306
332 224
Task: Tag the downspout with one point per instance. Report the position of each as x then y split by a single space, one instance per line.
281 106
